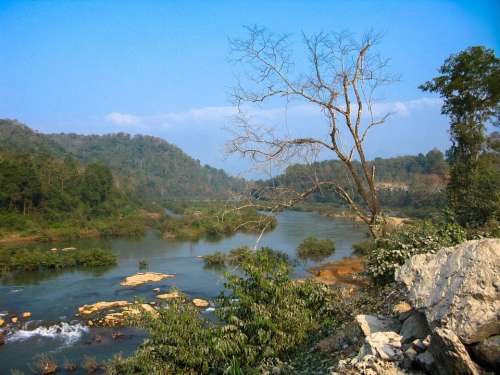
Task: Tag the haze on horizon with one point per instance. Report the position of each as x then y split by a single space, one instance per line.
163 69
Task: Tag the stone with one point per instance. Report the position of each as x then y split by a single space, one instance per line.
487 352
99 306
370 324
143 278
116 335
401 308
457 288
368 365
409 357
415 327
156 290
26 315
2 322
450 354
385 345
198 302
425 361
2 338
14 319
169 296
419 345
343 337
114 319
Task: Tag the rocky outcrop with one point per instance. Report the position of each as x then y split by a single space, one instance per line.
449 323
143 278
457 288
487 352
450 355
371 324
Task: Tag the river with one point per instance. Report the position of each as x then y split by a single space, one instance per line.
54 297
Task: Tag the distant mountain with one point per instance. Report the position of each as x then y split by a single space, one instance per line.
147 168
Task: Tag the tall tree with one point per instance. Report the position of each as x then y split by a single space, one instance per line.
339 83
470 87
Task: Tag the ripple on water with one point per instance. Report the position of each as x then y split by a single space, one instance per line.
66 332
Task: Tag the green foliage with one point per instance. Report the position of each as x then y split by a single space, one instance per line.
469 86
364 248
263 314
416 182
393 250
214 221
38 259
216 259
149 168
316 249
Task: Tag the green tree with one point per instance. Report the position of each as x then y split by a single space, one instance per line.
97 184
470 86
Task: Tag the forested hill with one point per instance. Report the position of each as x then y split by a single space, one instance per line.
145 167
411 182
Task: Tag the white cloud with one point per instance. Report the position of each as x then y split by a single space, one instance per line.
222 115
122 118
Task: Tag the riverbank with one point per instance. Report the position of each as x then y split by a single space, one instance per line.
134 225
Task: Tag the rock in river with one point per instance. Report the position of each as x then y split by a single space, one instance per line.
99 306
198 302
143 278
169 296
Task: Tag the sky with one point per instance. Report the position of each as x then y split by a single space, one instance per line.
162 67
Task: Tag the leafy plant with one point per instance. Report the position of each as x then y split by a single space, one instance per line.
424 237
316 249
263 314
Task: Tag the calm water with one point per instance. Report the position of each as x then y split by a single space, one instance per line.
54 297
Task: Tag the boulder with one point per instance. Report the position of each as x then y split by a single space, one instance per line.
457 288
2 322
414 327
487 352
14 319
370 324
450 355
99 306
198 302
143 278
344 337
425 361
169 296
403 310
368 365
2 338
385 345
26 315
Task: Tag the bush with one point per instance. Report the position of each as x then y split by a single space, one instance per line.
313 248
363 248
263 314
392 251
36 259
216 259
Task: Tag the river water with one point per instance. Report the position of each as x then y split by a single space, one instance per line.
53 297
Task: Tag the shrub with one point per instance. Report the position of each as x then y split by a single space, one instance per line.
36 259
262 315
363 248
216 259
316 249
392 251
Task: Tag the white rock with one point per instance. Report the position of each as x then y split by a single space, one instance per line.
457 288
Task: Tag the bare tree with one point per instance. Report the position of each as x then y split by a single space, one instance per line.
340 81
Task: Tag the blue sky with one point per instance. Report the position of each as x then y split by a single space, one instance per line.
161 67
